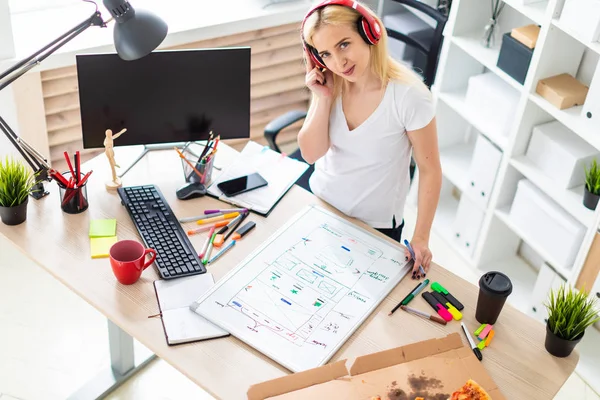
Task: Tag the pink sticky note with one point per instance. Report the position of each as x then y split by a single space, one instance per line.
485 332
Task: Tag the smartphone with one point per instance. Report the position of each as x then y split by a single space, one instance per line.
242 184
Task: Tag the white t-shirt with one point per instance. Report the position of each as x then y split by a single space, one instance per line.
365 172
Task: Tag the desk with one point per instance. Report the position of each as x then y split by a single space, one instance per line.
226 367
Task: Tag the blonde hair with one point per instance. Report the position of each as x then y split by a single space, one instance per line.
382 64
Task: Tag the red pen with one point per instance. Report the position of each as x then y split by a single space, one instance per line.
77 166
85 178
69 163
59 177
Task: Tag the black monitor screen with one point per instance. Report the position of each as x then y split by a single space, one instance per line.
165 97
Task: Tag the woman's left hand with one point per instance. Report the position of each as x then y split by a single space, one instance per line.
422 257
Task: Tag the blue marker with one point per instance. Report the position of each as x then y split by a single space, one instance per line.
219 254
412 254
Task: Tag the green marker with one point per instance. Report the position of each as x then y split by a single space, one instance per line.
451 299
411 295
209 249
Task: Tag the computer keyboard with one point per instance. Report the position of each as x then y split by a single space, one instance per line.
160 230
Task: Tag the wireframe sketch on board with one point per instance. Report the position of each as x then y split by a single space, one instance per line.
302 294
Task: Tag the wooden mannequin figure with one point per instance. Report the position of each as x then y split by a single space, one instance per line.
110 153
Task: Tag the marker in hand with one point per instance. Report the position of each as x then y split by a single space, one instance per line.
412 254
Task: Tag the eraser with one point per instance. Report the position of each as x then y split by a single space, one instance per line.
485 332
478 331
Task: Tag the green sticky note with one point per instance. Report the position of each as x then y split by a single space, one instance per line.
103 228
478 331
481 345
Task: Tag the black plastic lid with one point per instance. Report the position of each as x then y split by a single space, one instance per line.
496 284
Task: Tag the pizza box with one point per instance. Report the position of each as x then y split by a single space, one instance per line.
432 369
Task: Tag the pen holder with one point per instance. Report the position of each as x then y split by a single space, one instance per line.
73 200
204 169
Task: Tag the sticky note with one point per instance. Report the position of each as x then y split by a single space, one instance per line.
489 338
485 332
478 331
99 247
103 228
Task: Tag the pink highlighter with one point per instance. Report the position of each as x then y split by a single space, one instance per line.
437 306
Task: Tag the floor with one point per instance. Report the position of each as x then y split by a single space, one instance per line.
54 339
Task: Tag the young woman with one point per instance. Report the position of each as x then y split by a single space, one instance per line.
368 112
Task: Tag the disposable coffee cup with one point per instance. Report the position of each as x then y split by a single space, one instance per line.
494 288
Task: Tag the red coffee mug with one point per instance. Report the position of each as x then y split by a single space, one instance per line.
128 260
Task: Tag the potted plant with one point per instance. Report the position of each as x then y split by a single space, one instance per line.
570 312
592 186
16 183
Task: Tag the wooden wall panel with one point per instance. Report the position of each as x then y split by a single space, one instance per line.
277 86
591 266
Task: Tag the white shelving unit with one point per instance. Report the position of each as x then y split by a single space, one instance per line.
501 243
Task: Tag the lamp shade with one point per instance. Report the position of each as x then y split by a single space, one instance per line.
136 32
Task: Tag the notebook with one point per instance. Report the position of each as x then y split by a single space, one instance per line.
180 323
100 247
279 171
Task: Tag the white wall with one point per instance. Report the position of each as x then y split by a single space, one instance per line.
9 113
7 48
8 109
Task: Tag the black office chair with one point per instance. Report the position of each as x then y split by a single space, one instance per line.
430 48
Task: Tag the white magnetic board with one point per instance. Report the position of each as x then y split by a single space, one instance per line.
300 295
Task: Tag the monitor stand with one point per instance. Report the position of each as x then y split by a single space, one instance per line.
152 147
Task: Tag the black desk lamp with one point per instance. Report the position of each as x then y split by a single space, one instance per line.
136 34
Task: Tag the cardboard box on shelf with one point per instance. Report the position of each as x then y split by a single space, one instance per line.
430 369
563 91
527 35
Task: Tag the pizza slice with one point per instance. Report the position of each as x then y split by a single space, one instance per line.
470 391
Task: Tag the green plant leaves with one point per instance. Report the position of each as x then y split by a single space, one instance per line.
16 182
592 177
570 312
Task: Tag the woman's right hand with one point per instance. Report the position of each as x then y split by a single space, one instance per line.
319 82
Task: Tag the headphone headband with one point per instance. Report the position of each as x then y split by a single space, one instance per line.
368 27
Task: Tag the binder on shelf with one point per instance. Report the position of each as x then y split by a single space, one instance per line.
280 171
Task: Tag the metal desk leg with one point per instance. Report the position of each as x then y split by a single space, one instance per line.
123 364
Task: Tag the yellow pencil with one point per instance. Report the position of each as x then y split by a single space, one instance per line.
219 218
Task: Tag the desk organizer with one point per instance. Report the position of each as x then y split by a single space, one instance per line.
202 171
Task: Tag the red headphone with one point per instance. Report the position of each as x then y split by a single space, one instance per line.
368 27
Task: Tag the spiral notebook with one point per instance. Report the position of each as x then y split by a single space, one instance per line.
280 171
182 325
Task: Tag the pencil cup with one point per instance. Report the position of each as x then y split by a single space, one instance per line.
73 200
205 170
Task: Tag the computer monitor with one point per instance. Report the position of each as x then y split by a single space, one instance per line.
168 96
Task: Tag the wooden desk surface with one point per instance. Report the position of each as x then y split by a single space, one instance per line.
226 367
